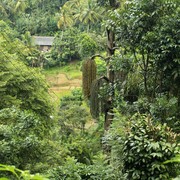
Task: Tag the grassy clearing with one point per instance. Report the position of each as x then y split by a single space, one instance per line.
58 95
63 79
72 71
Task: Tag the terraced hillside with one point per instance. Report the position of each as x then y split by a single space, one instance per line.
62 80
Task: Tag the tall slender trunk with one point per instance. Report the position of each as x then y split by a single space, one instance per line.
111 75
145 61
110 72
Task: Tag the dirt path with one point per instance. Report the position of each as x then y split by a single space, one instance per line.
60 82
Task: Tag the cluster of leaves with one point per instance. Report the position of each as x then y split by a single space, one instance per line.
113 142
21 137
38 17
101 67
143 30
71 44
19 174
87 45
74 170
141 148
25 106
72 114
22 88
84 14
146 147
163 109
20 85
65 47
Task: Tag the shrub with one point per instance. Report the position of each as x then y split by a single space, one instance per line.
163 109
101 66
15 173
72 114
73 170
65 47
146 147
21 134
113 142
87 45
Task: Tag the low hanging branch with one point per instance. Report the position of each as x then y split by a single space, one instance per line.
105 78
98 55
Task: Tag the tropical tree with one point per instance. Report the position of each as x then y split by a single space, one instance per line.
25 106
107 104
143 30
12 8
20 86
65 47
75 12
137 37
65 17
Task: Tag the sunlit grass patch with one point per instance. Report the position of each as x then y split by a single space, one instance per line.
72 71
62 80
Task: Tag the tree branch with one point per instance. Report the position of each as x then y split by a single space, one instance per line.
98 55
105 78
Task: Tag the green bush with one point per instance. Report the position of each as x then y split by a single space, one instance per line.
113 141
101 66
146 147
21 134
16 173
87 45
65 47
163 109
73 170
75 98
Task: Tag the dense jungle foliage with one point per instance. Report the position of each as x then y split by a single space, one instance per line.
124 123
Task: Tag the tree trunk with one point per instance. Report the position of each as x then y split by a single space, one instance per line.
110 72
111 75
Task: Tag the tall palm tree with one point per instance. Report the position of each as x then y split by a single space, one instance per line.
84 11
20 6
65 17
3 10
11 8
89 13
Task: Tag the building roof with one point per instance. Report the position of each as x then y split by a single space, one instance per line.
43 40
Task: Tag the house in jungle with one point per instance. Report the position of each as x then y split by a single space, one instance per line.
44 42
